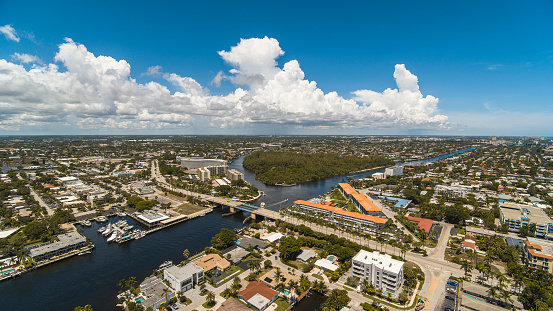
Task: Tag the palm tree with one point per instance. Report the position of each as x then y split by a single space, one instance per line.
292 285
186 253
210 298
278 275
227 292
365 286
122 283
131 282
505 295
254 265
467 266
166 292
493 292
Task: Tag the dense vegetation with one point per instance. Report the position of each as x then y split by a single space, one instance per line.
275 167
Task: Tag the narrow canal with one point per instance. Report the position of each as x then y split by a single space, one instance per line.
92 279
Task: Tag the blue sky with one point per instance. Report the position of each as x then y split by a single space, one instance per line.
464 68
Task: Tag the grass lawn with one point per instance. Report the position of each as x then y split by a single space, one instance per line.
187 208
175 197
282 304
252 257
429 243
318 277
232 269
207 305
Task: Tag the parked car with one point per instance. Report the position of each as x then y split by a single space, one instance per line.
450 298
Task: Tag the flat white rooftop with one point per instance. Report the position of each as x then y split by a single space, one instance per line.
152 216
323 263
383 261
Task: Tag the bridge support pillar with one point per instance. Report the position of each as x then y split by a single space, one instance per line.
254 215
232 210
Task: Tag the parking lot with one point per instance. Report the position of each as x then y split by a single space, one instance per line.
449 301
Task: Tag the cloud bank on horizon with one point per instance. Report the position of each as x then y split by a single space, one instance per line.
98 92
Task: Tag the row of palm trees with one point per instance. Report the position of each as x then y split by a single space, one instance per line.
361 238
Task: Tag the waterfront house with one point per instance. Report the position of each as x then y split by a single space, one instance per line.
212 261
236 254
232 304
258 295
155 296
184 278
252 243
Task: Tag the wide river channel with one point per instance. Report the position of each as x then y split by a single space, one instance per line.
92 279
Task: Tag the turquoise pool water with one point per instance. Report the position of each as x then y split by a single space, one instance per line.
331 258
139 299
472 297
285 292
7 271
401 203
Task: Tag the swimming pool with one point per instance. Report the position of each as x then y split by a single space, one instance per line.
139 299
285 292
401 203
472 297
7 271
331 258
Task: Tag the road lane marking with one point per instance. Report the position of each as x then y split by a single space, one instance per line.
429 296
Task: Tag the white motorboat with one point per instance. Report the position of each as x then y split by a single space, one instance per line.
113 236
108 230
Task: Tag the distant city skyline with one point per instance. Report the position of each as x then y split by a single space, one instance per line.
220 68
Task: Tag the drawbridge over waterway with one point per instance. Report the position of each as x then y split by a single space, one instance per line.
235 206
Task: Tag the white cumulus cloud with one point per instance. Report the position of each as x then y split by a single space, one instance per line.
9 33
98 92
26 58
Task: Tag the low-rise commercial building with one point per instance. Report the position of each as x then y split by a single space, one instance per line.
538 254
519 215
382 270
66 243
184 278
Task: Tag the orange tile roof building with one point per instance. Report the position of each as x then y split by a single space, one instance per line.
258 295
212 261
341 217
362 203
424 224
538 254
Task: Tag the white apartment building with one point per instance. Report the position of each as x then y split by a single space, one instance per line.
204 174
184 278
235 175
380 269
394 170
